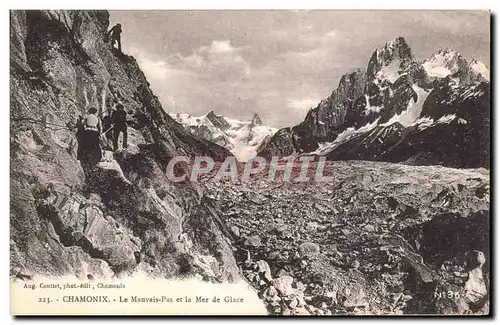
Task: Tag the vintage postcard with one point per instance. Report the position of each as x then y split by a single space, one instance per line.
251 162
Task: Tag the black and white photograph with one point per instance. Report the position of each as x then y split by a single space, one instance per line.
250 162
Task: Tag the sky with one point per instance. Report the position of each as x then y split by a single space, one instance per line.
276 63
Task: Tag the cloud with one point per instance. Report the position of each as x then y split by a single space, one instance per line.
218 61
156 70
212 77
278 63
153 69
331 33
221 47
303 104
168 82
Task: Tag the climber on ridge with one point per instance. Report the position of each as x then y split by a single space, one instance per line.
119 119
115 34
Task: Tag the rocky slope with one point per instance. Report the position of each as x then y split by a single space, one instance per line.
242 138
125 216
380 239
393 111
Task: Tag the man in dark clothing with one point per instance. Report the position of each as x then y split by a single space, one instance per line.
76 26
119 118
79 137
143 122
115 34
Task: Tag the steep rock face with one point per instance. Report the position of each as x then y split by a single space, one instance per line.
480 70
218 121
394 56
464 141
401 110
280 144
393 76
324 122
125 215
449 112
364 96
256 120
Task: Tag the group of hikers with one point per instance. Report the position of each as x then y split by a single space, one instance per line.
90 130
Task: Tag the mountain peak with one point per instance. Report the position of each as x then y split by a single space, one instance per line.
242 138
256 120
397 42
479 68
446 51
217 120
211 114
396 53
448 54
444 63
398 48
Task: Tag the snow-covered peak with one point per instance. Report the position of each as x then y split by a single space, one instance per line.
450 63
396 49
390 72
447 52
391 60
480 68
242 138
256 119
217 120
444 63
396 43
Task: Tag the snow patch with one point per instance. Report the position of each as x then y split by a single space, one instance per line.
413 110
472 92
241 138
434 70
326 147
427 122
442 64
423 123
447 119
390 72
369 109
480 68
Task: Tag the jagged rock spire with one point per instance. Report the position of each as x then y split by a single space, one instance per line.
395 50
217 120
256 120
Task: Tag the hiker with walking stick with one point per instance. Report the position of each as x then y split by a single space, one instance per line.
107 127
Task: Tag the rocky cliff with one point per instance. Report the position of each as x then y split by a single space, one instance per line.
393 111
125 216
380 238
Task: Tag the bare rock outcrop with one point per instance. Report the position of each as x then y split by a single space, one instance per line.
123 215
380 239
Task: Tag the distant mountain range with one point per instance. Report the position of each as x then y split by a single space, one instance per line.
242 138
400 110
